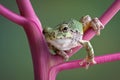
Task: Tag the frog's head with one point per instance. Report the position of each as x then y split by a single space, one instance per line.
66 29
71 25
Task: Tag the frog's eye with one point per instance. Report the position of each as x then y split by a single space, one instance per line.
64 27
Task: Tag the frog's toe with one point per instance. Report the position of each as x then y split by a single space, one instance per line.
93 61
86 62
96 25
86 20
66 57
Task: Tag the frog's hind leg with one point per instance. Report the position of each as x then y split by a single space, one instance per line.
63 54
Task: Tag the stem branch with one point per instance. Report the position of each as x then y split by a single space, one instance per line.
12 16
99 59
105 18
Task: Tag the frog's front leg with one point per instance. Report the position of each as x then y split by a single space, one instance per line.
86 22
59 49
90 56
95 23
63 54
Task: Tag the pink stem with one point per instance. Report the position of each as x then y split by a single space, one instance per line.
99 59
109 14
105 18
38 46
42 60
26 7
32 26
26 10
12 16
75 64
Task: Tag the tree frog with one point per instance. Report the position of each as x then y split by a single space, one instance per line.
69 34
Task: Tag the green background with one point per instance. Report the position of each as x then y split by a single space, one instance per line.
15 57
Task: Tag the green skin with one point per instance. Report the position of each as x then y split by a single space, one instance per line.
66 36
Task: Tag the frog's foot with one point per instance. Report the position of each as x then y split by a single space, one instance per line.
86 20
96 25
87 61
64 55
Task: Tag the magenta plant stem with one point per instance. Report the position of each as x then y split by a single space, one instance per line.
38 46
33 29
46 66
75 64
12 16
113 9
105 18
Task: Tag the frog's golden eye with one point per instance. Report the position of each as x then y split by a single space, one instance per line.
64 27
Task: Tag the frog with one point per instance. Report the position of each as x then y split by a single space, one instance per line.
69 34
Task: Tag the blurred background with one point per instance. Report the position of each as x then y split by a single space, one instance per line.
15 56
